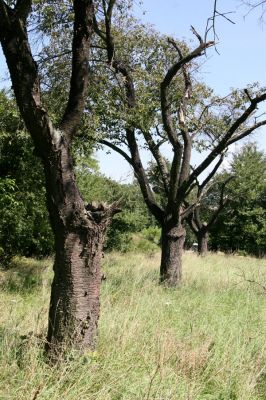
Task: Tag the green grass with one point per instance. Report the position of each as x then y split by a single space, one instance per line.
203 341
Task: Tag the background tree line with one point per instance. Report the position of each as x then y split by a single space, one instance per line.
24 225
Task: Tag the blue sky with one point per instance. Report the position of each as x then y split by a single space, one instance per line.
241 45
242 48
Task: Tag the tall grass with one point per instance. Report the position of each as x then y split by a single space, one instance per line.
203 341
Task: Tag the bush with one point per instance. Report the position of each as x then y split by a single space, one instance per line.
153 234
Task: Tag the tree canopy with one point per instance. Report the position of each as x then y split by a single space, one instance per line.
241 227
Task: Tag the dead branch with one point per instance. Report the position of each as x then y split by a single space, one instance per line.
211 22
245 279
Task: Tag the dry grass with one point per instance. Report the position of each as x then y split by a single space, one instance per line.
203 341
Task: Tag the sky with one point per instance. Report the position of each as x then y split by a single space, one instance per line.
241 59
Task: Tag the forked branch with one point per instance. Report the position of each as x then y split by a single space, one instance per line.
229 138
165 85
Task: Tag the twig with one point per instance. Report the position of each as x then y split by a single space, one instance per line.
37 392
210 25
243 276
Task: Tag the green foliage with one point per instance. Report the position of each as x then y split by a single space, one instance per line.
153 233
242 226
26 275
24 226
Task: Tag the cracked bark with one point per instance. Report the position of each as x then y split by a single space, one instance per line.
79 237
173 238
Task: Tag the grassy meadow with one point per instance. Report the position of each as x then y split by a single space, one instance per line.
203 341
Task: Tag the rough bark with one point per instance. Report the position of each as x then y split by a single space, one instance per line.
79 235
173 238
75 295
203 237
75 305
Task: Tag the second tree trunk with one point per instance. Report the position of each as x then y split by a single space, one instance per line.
203 238
172 241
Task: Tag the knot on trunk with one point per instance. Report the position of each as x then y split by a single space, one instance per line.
102 212
176 232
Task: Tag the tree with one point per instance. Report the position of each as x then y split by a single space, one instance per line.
78 229
210 202
241 226
204 215
183 122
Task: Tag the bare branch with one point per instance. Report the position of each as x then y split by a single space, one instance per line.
175 45
159 160
110 9
141 175
97 30
211 26
253 5
248 95
246 132
171 73
117 149
227 138
188 213
43 60
197 35
212 173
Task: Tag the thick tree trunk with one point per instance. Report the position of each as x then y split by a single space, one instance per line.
203 238
171 259
79 235
75 305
